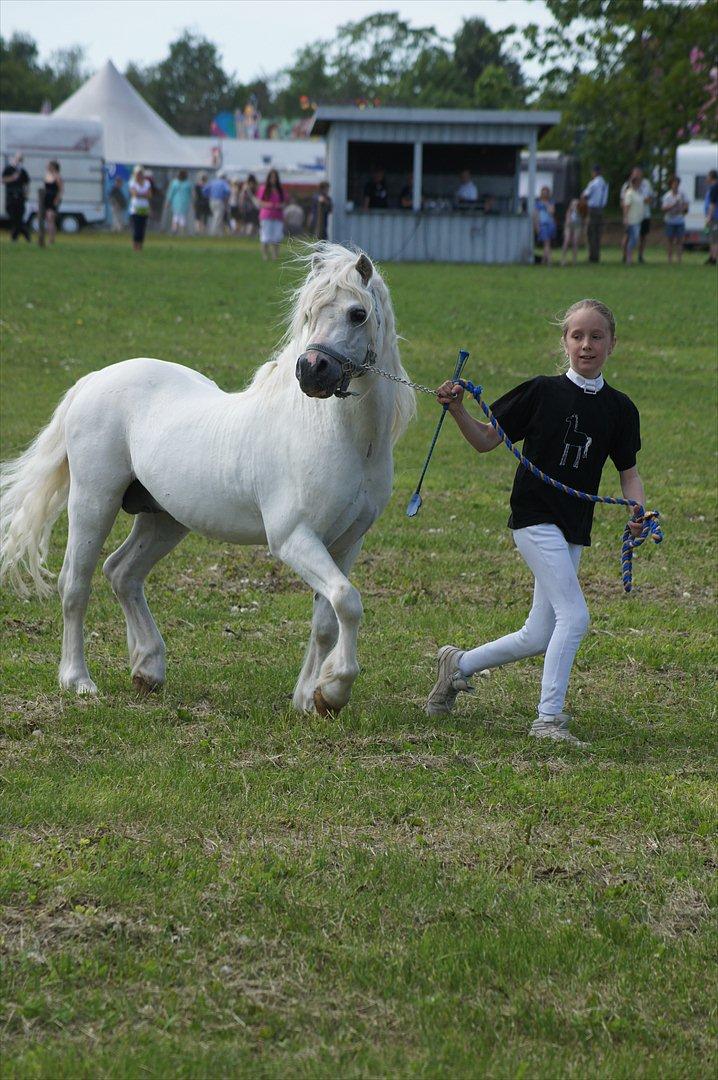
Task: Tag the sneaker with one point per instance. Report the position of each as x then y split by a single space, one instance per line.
554 727
449 683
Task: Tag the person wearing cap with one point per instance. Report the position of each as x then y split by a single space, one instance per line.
596 195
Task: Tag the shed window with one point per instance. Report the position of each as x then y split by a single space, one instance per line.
492 170
395 159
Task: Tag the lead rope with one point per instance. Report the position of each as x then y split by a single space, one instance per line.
629 543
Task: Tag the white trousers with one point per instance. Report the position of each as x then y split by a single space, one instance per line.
557 622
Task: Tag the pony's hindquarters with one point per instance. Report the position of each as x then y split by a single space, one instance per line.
33 492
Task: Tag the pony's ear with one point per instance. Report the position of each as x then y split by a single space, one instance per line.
365 268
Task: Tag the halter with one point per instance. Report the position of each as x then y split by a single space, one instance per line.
350 368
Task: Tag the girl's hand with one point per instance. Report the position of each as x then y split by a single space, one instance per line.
635 527
451 395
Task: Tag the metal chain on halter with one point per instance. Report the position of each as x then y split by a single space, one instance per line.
406 382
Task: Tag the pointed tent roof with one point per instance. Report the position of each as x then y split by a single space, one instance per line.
134 133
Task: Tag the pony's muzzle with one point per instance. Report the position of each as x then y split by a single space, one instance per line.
318 375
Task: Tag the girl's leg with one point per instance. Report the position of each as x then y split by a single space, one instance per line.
576 238
265 251
50 226
531 640
554 563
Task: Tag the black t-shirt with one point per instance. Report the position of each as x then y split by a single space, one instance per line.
568 434
15 189
376 192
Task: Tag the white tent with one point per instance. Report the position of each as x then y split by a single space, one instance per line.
134 133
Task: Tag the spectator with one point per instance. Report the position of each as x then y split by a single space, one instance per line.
320 210
118 204
217 191
711 209
632 203
16 182
376 197
647 193
293 217
271 219
201 205
140 192
406 195
179 200
674 206
545 223
573 228
596 195
233 205
249 206
52 198
490 206
467 192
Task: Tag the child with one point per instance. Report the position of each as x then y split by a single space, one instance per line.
570 424
545 223
572 229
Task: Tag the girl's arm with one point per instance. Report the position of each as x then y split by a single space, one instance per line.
632 488
481 436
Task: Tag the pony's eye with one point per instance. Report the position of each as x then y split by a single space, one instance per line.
357 315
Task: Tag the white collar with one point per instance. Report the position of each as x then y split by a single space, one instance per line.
589 386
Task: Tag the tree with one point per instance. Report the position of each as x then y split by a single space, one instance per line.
26 84
639 83
189 87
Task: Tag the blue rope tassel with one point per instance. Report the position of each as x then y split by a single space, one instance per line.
649 518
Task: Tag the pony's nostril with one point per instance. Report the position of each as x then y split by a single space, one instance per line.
321 365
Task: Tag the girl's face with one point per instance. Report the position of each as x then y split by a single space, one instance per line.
588 342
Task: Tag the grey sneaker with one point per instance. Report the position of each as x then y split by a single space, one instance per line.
449 683
555 727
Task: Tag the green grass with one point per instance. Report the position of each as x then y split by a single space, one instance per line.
206 884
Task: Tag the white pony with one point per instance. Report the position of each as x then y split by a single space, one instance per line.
301 461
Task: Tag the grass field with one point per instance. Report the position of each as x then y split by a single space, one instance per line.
206 884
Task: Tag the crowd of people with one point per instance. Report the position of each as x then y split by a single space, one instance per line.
220 206
637 199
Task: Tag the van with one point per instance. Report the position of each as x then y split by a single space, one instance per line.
76 144
694 160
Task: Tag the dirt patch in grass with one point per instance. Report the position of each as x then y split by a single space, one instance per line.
55 923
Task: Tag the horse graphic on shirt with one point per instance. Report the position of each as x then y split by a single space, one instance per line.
575 440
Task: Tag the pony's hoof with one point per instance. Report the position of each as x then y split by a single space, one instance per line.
322 705
144 687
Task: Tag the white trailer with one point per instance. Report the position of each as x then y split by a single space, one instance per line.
694 160
76 145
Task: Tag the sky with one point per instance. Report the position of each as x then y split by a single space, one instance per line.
255 37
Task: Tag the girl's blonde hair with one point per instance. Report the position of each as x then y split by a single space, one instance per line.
595 305
137 169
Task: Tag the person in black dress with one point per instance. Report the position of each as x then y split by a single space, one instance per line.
16 182
376 197
53 196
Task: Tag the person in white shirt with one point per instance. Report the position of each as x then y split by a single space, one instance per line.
647 194
596 195
633 206
674 206
467 191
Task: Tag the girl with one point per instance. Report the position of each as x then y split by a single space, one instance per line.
140 192
570 424
179 200
545 223
52 198
633 205
674 208
572 229
271 214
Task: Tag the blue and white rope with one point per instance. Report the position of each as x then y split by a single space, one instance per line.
649 518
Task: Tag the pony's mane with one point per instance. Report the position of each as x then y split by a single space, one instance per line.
330 268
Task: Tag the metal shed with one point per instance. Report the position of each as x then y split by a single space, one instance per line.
422 152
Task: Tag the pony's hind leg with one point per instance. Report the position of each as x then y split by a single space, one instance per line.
153 536
90 518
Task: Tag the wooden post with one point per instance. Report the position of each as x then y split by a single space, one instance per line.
41 216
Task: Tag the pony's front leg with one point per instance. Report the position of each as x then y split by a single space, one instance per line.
307 555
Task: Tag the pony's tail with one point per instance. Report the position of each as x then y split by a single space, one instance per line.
33 493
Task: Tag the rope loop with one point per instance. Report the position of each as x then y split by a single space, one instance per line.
648 518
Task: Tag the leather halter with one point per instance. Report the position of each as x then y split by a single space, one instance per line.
350 368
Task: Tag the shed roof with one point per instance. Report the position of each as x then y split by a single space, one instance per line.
326 115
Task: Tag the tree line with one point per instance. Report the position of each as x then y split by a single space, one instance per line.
631 78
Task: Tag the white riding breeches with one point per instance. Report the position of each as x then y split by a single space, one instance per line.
557 622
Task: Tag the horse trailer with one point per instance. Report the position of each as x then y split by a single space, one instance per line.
76 145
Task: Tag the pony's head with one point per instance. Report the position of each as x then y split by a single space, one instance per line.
339 321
